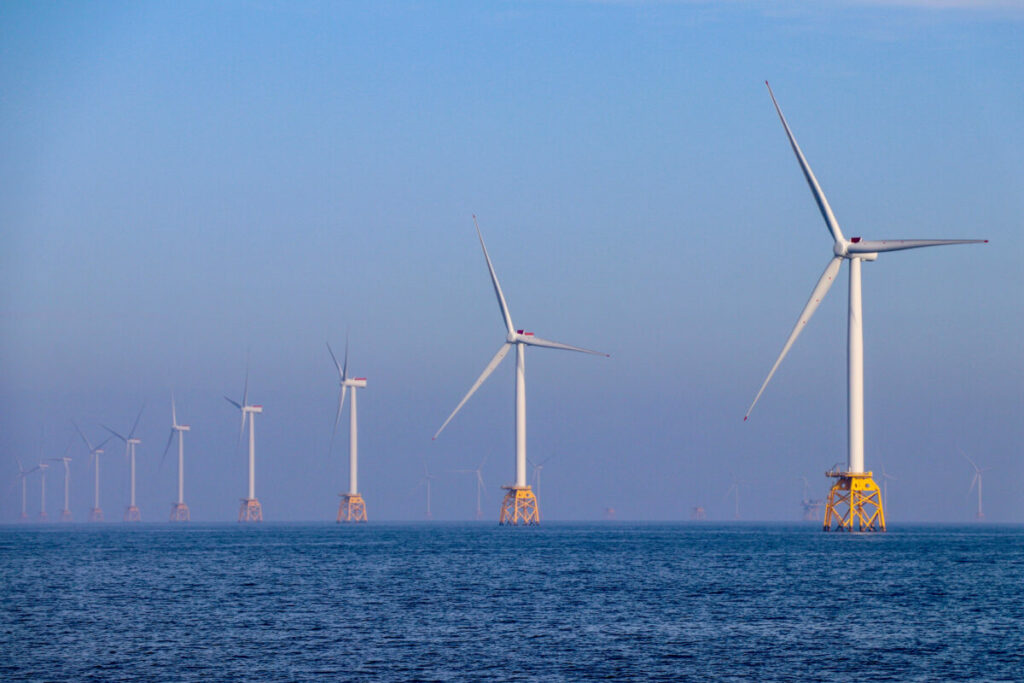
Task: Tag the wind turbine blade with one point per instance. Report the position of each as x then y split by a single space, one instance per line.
973 482
968 459
233 402
245 390
102 444
341 374
170 439
494 281
114 433
548 344
344 369
498 357
337 418
136 423
174 412
820 290
819 196
876 246
82 434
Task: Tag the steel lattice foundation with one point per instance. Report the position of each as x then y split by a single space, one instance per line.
251 511
179 512
96 515
352 508
132 514
854 503
65 515
519 507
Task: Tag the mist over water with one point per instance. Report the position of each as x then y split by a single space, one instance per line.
472 601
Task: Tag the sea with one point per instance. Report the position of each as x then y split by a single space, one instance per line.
478 602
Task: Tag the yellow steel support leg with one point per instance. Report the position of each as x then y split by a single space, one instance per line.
352 508
854 503
251 511
179 512
519 507
132 514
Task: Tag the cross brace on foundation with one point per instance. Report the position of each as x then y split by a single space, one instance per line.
854 503
352 508
96 515
251 511
132 514
519 507
179 512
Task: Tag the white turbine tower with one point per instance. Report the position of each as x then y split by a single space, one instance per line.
251 510
96 513
520 504
479 481
979 515
42 467
425 480
179 511
352 507
23 475
65 513
132 514
854 500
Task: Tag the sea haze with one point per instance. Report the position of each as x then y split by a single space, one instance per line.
473 601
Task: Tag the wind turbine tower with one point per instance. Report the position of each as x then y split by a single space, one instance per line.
131 514
96 513
352 507
42 467
979 515
251 511
854 501
65 514
425 481
179 511
23 475
479 481
520 504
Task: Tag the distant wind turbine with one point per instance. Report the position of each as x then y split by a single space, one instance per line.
23 475
251 510
179 511
979 515
42 467
855 489
132 514
425 481
538 467
65 513
479 481
96 513
520 504
352 507
885 485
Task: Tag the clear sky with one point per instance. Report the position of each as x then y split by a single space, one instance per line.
185 183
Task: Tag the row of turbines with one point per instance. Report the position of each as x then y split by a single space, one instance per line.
855 501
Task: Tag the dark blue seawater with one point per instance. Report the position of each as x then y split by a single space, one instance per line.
477 602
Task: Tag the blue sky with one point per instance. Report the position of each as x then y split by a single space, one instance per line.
185 184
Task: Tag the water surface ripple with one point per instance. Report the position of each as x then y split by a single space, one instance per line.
294 602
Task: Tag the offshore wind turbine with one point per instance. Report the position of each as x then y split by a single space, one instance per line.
425 480
96 513
132 514
23 475
854 501
479 481
179 511
65 514
42 467
251 510
979 515
520 504
538 467
352 507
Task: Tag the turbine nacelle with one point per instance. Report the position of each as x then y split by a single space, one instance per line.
359 382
